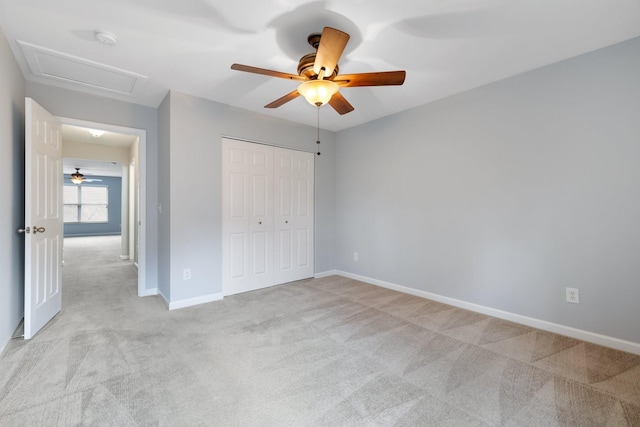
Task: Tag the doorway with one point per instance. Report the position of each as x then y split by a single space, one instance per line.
98 148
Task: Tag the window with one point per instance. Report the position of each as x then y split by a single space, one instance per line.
84 203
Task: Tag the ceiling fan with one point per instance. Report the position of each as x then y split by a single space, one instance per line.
318 72
78 178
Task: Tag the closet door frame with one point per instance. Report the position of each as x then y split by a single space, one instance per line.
248 220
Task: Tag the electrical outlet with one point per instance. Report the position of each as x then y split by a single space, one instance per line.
355 256
573 295
186 274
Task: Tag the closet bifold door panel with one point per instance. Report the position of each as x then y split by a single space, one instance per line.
293 218
267 216
247 216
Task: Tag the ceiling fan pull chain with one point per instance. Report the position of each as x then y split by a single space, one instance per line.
318 140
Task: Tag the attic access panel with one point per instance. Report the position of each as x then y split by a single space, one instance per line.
50 64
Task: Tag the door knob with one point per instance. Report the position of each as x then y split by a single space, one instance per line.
37 230
24 230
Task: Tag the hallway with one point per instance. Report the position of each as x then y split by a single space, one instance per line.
94 272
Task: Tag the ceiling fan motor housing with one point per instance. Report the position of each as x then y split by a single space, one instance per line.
305 67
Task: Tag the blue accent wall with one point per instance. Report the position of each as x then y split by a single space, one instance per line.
113 227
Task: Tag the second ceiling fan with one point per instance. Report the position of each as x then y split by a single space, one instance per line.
318 72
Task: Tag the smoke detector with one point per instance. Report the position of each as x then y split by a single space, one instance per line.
106 38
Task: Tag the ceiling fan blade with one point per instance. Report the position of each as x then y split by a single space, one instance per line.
383 78
332 44
265 72
283 100
340 104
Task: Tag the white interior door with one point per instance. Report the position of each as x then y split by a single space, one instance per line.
43 218
247 216
293 217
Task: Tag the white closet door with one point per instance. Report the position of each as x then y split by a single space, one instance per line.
247 216
293 217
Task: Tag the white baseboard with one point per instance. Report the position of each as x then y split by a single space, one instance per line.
327 274
164 299
568 331
124 257
148 292
188 302
3 345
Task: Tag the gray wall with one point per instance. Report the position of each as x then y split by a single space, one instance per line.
505 195
114 209
12 93
196 130
80 106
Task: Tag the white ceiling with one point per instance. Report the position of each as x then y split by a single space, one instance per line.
83 135
94 167
91 167
446 46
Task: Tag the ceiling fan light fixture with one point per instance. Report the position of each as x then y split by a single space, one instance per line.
77 177
318 92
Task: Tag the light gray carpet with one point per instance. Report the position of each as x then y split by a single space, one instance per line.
321 352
